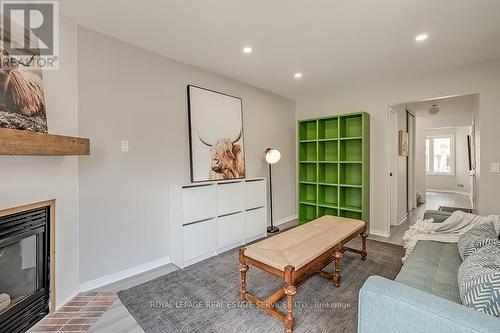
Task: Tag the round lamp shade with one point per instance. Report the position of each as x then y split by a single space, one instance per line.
272 156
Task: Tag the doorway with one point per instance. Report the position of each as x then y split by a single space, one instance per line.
438 170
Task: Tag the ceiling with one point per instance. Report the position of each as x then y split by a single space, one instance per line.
454 104
332 42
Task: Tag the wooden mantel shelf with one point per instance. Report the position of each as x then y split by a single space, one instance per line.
18 142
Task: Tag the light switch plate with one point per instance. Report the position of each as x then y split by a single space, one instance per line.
124 146
495 167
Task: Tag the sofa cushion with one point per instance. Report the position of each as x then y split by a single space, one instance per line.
476 238
433 267
479 280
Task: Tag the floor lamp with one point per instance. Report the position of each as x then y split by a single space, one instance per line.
272 157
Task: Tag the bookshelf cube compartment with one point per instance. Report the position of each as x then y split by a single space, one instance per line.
351 126
328 173
306 213
351 198
322 211
351 150
328 195
350 214
328 151
328 128
308 151
308 172
351 174
308 193
308 130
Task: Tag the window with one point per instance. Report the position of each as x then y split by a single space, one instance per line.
440 155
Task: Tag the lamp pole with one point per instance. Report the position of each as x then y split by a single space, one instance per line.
271 229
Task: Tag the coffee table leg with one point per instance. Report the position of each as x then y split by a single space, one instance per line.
243 268
363 249
289 290
336 276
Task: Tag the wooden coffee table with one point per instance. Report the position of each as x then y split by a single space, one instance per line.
297 254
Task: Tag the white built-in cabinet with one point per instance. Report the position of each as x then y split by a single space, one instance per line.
209 218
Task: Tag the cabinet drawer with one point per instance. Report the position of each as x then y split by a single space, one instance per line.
198 203
229 198
199 239
230 230
255 222
255 194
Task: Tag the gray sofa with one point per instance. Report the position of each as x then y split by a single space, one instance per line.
424 297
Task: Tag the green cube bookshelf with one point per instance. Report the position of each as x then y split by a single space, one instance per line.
334 167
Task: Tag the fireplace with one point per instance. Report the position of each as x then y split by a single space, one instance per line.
25 255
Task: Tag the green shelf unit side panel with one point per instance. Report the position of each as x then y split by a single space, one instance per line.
351 198
351 150
308 172
328 128
334 167
328 195
366 169
351 126
308 151
328 173
328 151
308 130
351 174
322 211
307 213
350 214
308 193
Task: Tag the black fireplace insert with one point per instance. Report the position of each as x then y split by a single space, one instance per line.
24 269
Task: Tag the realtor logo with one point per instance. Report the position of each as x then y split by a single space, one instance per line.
30 33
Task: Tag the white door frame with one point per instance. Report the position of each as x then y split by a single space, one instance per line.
393 168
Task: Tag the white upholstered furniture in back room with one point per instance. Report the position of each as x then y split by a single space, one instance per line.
209 218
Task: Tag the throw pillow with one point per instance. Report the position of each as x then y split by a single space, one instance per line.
479 280
476 238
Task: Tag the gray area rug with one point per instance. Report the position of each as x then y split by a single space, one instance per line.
205 297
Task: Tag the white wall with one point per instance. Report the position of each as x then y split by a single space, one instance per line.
129 93
451 183
373 95
26 180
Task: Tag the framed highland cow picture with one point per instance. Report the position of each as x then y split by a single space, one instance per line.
22 98
217 149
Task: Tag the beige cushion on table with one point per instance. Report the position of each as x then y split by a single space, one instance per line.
302 244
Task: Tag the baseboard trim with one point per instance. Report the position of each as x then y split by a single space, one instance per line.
285 220
105 280
380 233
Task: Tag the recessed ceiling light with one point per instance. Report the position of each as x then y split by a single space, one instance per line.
247 50
421 37
297 75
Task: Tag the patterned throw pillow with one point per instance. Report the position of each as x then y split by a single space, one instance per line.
479 280
476 238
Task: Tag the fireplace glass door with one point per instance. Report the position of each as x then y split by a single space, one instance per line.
24 269
18 272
